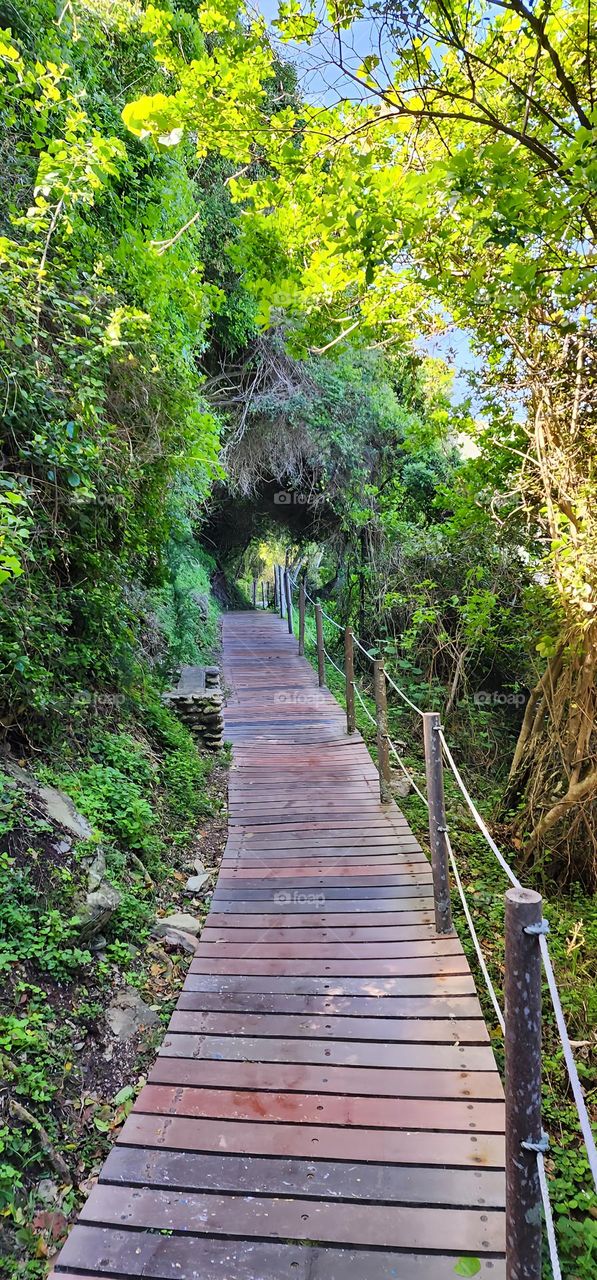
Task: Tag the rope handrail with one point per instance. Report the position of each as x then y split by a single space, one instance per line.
406 772
334 664
403 695
315 603
473 932
477 816
583 1116
571 1067
548 1215
355 640
363 704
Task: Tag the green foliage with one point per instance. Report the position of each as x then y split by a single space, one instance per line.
115 806
142 783
31 929
186 611
107 310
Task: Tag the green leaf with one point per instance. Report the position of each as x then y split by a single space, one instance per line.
123 1095
467 1267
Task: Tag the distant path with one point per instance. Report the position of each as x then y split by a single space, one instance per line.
327 1078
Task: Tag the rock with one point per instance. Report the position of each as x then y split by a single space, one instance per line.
58 806
178 938
128 1014
64 846
98 908
202 602
178 920
199 866
96 871
47 1192
195 883
401 786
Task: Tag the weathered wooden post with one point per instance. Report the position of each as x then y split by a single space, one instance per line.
522 989
262 594
282 591
276 597
254 593
438 829
288 596
302 604
349 669
381 715
320 652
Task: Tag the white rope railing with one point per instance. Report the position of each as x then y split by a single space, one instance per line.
316 604
473 932
584 1120
403 695
363 704
571 1067
406 771
477 816
333 664
554 1256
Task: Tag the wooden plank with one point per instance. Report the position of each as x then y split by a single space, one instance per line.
367 1224
258 1175
104 1251
441 984
314 1108
414 1057
350 1006
328 1027
419 967
205 1073
384 1145
327 1078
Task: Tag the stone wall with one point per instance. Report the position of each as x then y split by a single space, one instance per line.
197 699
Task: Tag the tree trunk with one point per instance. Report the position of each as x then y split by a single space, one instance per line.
552 789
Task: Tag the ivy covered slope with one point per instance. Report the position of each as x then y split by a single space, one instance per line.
108 444
108 453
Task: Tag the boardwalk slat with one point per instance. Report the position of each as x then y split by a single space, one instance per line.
327 1078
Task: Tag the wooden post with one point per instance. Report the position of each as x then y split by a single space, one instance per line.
254 593
522 991
276 597
383 749
301 634
262 594
349 669
281 591
438 829
320 653
288 596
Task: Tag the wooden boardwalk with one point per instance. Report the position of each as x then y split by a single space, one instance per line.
327 1079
